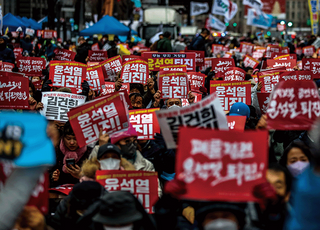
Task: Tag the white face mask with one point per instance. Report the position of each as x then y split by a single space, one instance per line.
298 167
109 164
129 227
221 224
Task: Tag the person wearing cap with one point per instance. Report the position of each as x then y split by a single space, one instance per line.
241 109
6 54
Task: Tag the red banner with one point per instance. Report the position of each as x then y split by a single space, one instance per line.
6 66
111 68
272 49
284 57
135 71
156 60
181 68
14 91
197 98
173 84
64 55
207 63
312 64
269 79
17 52
108 113
126 58
250 62
246 48
110 88
231 92
144 185
293 106
288 64
234 74
97 56
95 77
285 50
220 65
297 76
258 53
47 34
216 49
31 66
221 165
236 123
145 123
263 99
95 47
199 57
308 50
67 74
196 80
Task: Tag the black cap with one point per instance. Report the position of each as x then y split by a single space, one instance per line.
108 148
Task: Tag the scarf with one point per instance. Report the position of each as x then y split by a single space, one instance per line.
76 155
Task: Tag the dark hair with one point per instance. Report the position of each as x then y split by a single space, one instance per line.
295 144
205 30
138 87
247 77
279 168
135 95
166 34
32 88
248 68
67 130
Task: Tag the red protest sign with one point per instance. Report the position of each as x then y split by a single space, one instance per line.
145 123
90 64
47 34
207 64
14 93
31 66
288 64
37 85
17 52
196 81
308 50
135 71
293 106
272 49
298 51
95 47
285 50
111 68
236 123
97 56
297 76
231 92
87 120
64 55
285 57
220 65
156 60
235 74
95 77
263 99
269 79
6 66
126 58
143 185
216 48
65 189
199 57
258 53
67 74
312 64
197 98
173 84
246 48
250 62
221 165
182 68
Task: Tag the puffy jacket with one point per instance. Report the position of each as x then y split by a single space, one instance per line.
7 55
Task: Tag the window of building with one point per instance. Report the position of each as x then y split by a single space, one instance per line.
292 15
299 4
293 4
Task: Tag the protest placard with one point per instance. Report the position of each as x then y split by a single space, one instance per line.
285 50
67 74
197 98
14 91
156 60
221 165
296 76
7 66
47 34
64 55
258 53
111 68
246 48
135 71
108 113
236 123
95 77
143 185
288 64
294 105
269 79
17 52
234 74
250 62
298 51
173 84
196 81
206 113
56 105
181 68
220 65
263 100
97 56
200 55
308 50
145 123
126 58
110 88
95 47
37 85
216 49
312 64
31 66
285 57
207 64
272 49
231 92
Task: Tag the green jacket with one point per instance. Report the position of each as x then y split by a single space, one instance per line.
164 45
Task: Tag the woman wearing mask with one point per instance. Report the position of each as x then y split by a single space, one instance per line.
296 157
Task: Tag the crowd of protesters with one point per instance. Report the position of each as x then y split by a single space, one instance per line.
289 200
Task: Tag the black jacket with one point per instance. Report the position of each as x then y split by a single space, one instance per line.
82 53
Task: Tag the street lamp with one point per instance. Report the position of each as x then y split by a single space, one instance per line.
282 22
290 24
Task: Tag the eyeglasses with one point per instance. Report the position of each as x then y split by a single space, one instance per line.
174 102
129 141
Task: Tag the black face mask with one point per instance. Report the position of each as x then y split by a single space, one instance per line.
129 151
2 46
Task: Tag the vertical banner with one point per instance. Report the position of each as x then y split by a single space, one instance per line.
173 84
221 165
263 99
313 8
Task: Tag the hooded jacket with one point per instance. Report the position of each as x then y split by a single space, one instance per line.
6 54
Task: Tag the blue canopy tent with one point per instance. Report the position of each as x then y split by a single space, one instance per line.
12 22
35 25
107 25
25 21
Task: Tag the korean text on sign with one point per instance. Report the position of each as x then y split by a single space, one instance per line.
196 81
234 74
231 92
31 66
110 88
221 165
294 105
263 99
288 64
95 77
64 55
156 60
97 56
296 76
250 62
312 64
111 68
67 74
57 104
173 84
135 71
200 55
145 123
220 65
182 68
207 64
269 79
108 113
143 185
246 48
206 113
